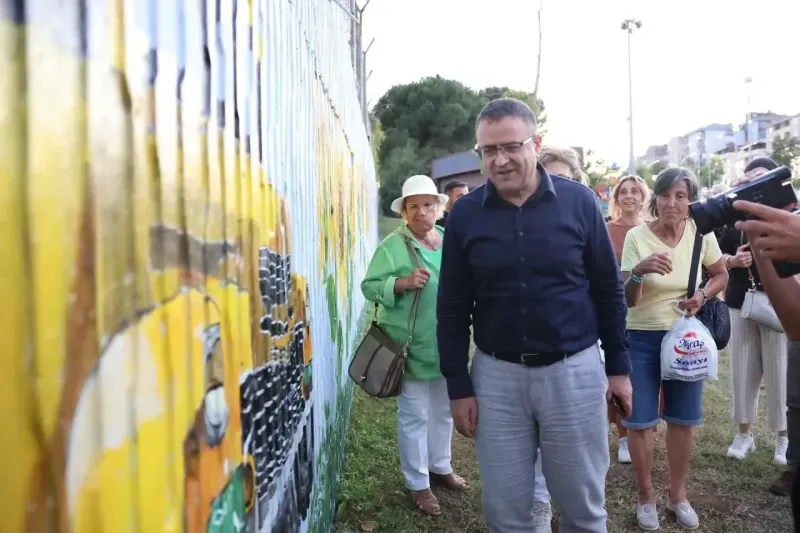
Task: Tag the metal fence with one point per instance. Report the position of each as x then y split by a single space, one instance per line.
189 203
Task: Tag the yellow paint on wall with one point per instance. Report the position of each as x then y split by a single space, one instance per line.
130 282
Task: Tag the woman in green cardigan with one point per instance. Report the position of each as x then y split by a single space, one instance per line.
425 425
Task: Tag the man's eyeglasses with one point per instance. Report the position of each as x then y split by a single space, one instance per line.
508 149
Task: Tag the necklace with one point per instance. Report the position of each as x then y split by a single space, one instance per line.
430 244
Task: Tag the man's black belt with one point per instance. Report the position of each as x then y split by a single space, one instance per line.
533 359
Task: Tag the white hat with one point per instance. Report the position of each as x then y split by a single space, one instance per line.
419 184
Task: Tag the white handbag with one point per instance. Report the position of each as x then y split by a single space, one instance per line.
757 308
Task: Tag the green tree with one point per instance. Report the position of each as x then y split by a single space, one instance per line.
646 173
424 120
435 112
691 164
537 105
650 172
712 172
596 169
399 164
786 150
376 140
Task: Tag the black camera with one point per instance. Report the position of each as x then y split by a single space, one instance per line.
773 189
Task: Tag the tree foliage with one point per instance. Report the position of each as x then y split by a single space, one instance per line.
493 93
376 141
786 150
597 170
650 172
711 172
428 119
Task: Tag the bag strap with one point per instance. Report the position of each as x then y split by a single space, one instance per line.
749 269
698 246
412 315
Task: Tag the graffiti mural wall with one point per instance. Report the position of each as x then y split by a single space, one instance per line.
189 199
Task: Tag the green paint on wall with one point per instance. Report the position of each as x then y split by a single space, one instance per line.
330 456
333 309
227 510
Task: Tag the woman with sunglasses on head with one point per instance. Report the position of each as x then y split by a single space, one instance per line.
628 197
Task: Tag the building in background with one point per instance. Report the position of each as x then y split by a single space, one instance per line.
654 153
788 126
735 145
756 128
463 166
736 158
703 142
677 150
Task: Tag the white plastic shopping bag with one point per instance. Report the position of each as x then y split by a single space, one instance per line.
688 352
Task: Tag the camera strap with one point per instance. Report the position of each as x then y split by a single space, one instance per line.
698 247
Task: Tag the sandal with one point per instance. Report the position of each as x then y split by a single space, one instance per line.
450 481
426 502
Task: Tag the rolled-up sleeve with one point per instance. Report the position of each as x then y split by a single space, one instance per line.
711 250
608 294
456 299
378 284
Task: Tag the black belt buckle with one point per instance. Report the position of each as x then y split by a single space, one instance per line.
523 359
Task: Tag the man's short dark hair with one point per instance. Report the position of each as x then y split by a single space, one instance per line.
504 108
761 162
454 185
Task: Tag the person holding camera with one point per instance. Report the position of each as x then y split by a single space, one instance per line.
757 351
776 232
656 262
775 235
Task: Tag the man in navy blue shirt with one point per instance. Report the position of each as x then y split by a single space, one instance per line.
527 261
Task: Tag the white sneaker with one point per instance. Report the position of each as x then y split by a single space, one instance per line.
743 444
623 454
647 516
685 514
780 451
542 517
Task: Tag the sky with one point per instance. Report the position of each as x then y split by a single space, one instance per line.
690 60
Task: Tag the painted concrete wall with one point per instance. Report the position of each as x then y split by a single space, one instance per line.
188 203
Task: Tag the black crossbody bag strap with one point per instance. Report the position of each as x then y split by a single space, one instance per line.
698 247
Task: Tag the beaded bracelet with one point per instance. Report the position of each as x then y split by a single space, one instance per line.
636 279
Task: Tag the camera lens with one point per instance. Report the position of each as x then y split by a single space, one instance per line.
773 189
711 213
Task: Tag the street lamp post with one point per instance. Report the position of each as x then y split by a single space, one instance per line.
748 83
628 25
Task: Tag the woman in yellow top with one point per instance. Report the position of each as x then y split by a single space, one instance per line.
656 259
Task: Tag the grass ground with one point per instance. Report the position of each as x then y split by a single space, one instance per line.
730 496
386 225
